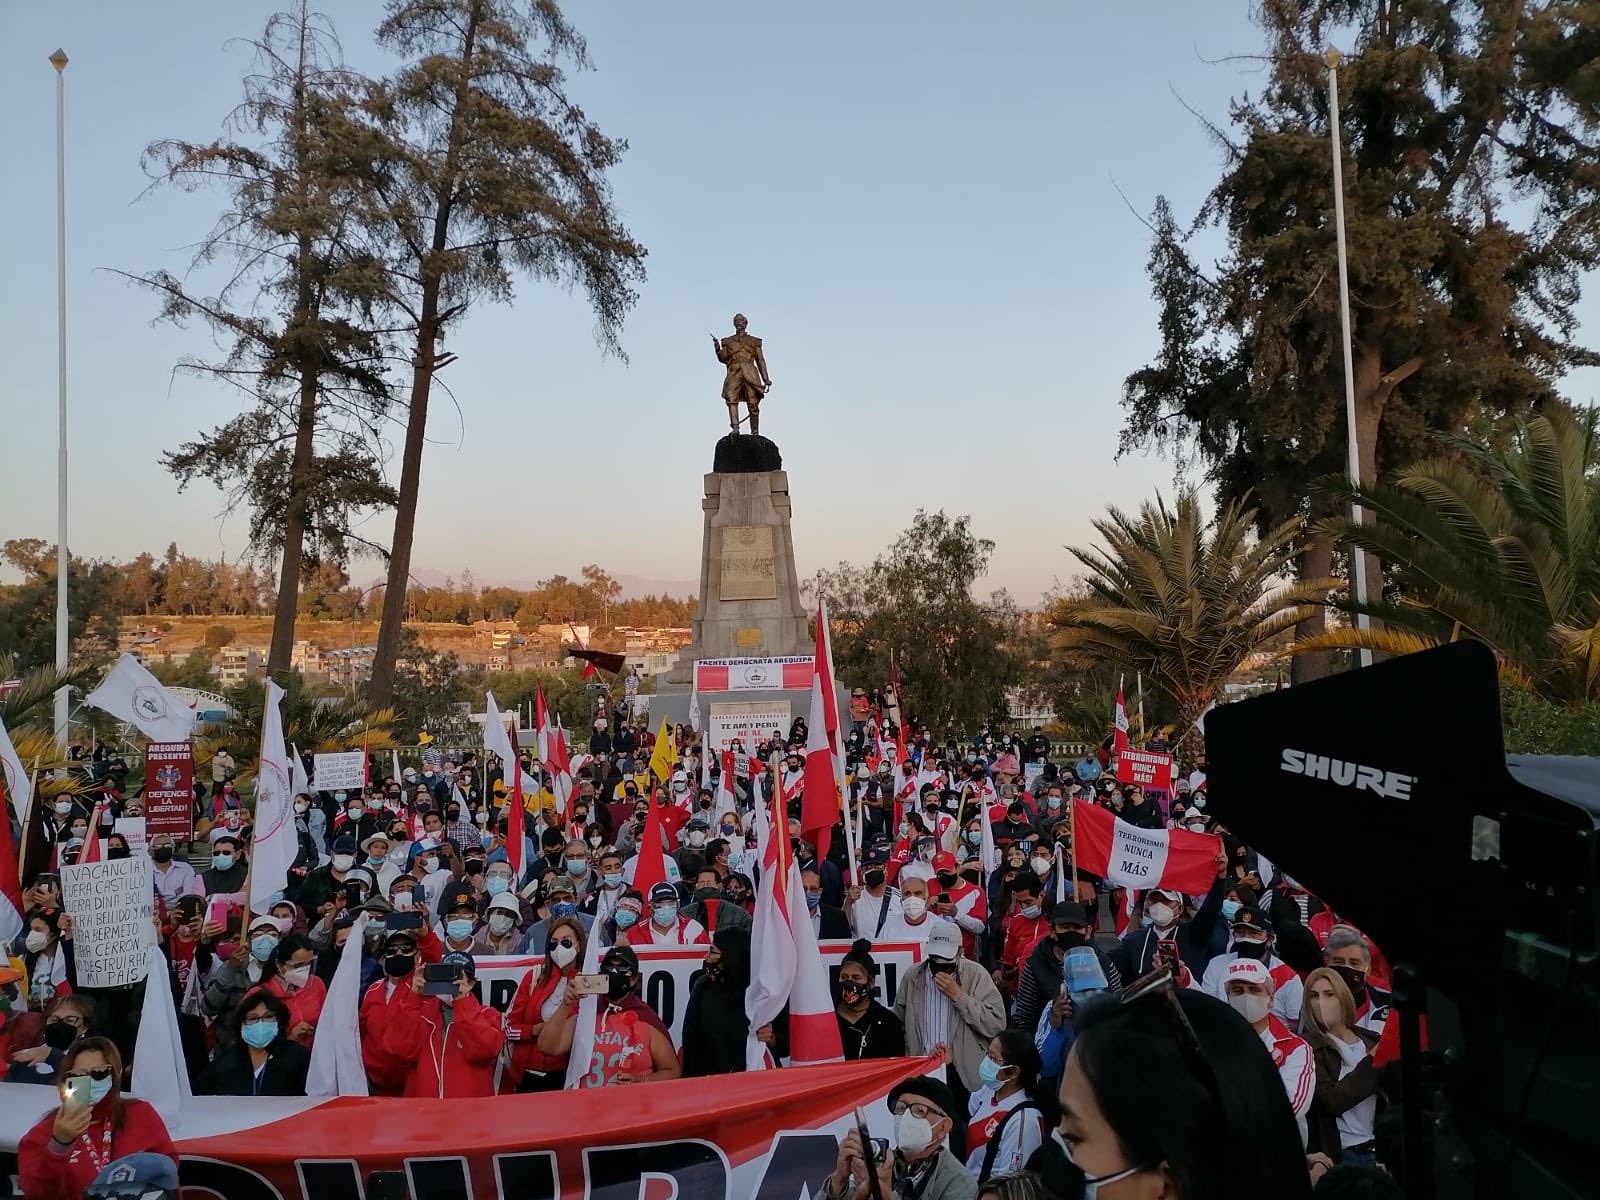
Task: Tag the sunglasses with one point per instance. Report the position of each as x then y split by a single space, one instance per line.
100 1074
564 943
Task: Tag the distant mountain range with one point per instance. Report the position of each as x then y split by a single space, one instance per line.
633 586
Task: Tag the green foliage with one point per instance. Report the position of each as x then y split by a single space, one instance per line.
430 689
1184 600
193 672
565 692
311 723
218 636
1501 543
1536 726
28 609
31 704
956 654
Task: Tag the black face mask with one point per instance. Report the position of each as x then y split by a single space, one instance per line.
1071 939
58 1035
619 985
874 878
1255 950
1355 979
854 993
162 854
118 852
452 814
398 966
948 879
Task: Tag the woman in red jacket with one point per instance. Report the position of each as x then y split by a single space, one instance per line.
62 1154
449 1061
538 999
293 983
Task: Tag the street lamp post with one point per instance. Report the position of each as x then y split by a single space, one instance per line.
58 60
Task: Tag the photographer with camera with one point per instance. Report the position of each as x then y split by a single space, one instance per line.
919 1164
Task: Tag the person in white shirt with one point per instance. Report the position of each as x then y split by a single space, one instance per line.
1247 987
872 904
1252 941
1005 1125
173 876
915 921
1345 1104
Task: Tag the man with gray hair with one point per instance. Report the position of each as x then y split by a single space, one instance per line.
1350 957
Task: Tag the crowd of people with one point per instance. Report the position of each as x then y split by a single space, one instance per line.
1046 993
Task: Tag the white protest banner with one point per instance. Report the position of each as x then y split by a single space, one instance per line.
749 722
133 829
342 772
752 674
668 972
112 906
1138 856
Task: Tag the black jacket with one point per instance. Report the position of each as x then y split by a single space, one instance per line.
1135 954
879 1034
1039 983
834 924
715 1027
1146 814
231 880
230 1072
1334 1095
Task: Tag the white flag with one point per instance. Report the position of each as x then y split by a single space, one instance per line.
580 1059
336 1068
159 1074
15 776
132 693
694 706
275 843
299 781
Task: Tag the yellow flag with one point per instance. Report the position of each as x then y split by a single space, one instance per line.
663 756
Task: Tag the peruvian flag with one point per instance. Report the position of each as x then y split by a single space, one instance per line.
92 851
819 803
1120 743
552 751
651 866
498 742
1126 856
786 966
10 880
730 769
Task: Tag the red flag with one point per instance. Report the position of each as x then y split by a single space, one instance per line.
819 802
90 850
1120 742
651 868
10 879
1126 856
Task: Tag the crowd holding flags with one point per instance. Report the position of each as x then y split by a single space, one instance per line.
498 742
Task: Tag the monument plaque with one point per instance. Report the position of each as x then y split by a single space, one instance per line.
748 571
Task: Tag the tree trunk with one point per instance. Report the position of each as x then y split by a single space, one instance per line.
1316 562
281 652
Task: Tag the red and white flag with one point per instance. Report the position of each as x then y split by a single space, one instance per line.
824 774
1126 856
786 967
552 750
1120 741
498 742
10 879
91 850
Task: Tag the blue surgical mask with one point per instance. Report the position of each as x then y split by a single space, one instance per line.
565 909
496 884
1032 911
1229 909
989 1071
221 862
974 837
626 917
99 1089
612 879
340 797
459 929
261 948
813 900
260 1034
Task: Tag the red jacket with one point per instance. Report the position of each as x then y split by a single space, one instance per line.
1022 935
525 1017
49 1172
450 1061
305 1005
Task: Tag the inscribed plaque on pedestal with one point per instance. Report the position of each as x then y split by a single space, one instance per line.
748 570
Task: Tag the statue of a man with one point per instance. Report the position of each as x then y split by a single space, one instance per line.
747 380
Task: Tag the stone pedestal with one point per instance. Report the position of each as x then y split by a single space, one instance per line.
749 595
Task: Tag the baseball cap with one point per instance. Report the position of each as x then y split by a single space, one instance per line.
944 939
876 856
662 892
621 956
1250 915
344 844
561 883
1069 912
154 1171
944 861
1250 970
460 958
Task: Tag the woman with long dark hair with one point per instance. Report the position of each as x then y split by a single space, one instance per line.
1006 1120
539 998
1142 1101
62 1154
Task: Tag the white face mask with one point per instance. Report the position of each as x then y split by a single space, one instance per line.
912 1134
562 956
430 865
1162 914
36 941
1250 1006
914 907
297 977
343 862
1041 866
500 923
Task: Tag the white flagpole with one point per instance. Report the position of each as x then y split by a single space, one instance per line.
1358 557
63 695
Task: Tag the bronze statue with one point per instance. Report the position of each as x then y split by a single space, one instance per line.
747 380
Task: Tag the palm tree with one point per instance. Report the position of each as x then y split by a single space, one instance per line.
1184 600
1499 543
312 724
27 711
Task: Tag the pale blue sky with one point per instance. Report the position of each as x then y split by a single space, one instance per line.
913 202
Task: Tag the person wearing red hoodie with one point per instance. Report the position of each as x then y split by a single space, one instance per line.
539 998
60 1156
453 1057
388 1074
1023 926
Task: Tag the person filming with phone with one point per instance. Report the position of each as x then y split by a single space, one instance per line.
918 1164
61 1155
